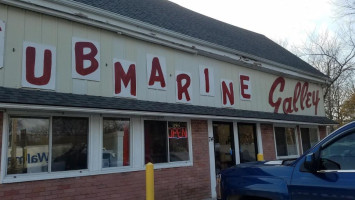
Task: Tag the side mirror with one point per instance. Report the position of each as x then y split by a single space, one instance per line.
310 163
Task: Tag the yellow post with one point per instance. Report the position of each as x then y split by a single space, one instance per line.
260 157
149 181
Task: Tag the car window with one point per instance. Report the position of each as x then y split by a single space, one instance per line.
339 155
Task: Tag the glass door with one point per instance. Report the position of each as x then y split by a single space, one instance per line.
223 145
247 142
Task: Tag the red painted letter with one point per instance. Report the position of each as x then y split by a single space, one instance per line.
30 67
126 78
276 104
207 80
244 86
287 105
315 101
183 88
80 57
296 95
156 68
227 92
304 92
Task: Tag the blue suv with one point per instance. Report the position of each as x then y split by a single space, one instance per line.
326 171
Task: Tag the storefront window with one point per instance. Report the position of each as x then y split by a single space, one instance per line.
69 143
309 138
28 145
165 141
286 143
115 150
178 143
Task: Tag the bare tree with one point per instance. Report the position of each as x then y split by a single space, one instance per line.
334 55
344 8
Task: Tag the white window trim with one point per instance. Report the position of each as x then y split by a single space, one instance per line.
72 173
4 147
259 139
296 137
43 175
170 164
101 134
306 126
236 142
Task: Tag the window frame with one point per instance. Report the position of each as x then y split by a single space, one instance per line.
296 138
101 133
95 132
332 141
300 133
95 141
176 163
6 133
36 176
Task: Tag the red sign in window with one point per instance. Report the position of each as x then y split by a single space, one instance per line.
178 132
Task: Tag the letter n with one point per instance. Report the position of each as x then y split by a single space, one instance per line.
125 78
227 93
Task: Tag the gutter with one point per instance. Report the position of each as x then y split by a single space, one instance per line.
123 25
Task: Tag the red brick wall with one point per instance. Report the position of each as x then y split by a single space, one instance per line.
322 132
173 183
267 135
188 182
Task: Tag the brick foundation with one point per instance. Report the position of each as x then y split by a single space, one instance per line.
172 183
267 135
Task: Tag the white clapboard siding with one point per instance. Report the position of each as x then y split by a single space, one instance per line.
33 27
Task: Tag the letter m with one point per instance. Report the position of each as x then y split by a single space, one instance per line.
125 80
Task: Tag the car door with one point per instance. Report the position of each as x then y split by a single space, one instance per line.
335 175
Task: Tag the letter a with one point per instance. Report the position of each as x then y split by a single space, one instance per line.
156 72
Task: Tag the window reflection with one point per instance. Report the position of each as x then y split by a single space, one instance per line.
178 143
28 145
309 138
69 143
115 142
165 141
155 140
286 144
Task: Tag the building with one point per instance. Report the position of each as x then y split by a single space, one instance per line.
90 91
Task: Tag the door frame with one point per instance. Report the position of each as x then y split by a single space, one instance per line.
256 141
234 127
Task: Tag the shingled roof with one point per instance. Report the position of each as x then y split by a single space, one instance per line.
173 17
46 98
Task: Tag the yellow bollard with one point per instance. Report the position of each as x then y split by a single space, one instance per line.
260 157
149 181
